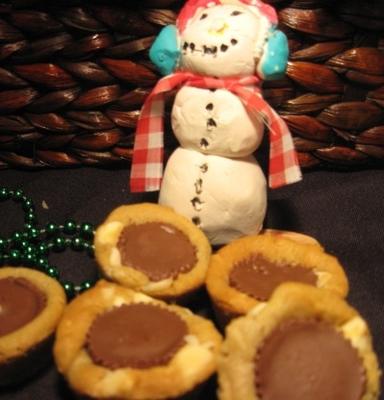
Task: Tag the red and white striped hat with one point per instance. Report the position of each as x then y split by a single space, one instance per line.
192 6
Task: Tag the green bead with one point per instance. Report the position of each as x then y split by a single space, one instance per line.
77 243
28 226
18 195
14 256
86 230
4 194
69 288
3 244
42 248
28 205
17 237
30 250
59 244
85 286
51 229
32 234
69 227
42 263
30 218
23 244
52 271
29 259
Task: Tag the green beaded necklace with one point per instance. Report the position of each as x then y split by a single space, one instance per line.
31 246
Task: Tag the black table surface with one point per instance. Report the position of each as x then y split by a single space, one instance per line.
343 210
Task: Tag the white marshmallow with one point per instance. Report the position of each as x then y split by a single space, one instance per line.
227 196
223 41
215 123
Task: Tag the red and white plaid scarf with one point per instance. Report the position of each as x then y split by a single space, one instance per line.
147 162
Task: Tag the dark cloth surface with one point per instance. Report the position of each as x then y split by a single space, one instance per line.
343 210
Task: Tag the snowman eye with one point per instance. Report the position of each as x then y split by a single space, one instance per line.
204 16
235 13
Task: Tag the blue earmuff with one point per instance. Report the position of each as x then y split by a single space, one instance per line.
274 60
165 52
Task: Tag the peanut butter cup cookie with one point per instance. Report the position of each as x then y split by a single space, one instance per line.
31 304
306 343
150 248
114 343
245 273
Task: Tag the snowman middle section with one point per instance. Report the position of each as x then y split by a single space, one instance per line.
213 178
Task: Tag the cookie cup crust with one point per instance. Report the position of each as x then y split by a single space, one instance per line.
295 236
230 302
109 260
39 329
245 335
192 365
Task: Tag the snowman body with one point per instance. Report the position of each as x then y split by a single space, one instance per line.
213 178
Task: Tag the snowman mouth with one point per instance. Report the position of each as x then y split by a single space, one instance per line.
191 47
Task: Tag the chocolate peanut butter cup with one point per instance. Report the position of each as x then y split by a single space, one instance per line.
20 302
159 250
113 342
136 335
150 248
31 304
325 364
258 277
246 272
306 343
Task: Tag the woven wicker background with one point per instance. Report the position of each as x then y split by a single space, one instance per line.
73 76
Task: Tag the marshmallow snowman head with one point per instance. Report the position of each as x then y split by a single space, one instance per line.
223 38
224 41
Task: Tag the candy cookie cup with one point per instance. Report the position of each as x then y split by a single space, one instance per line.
152 249
306 343
245 273
115 343
31 304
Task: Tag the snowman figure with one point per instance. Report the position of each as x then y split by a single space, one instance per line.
216 57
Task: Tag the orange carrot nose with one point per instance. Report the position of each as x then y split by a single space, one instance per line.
218 26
